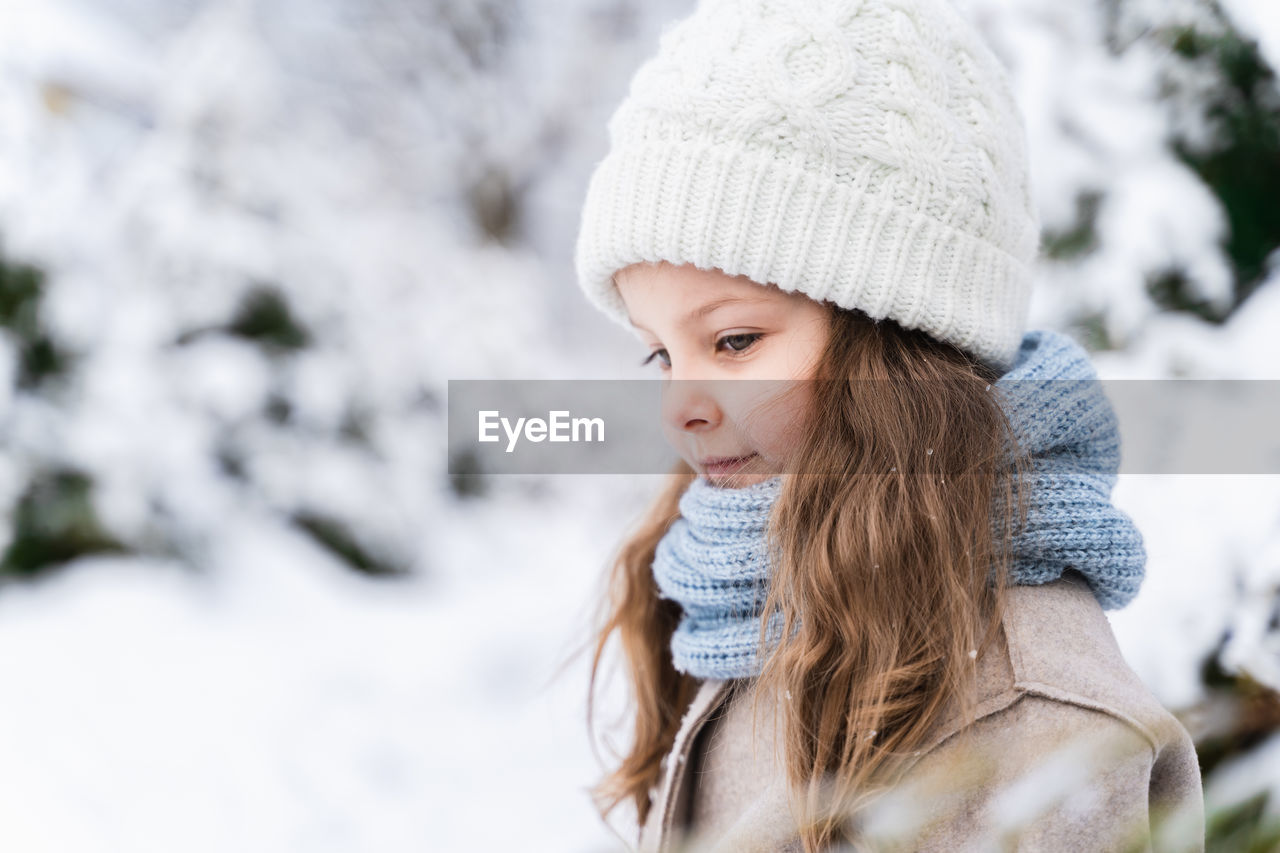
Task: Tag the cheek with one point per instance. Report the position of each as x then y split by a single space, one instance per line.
804 350
773 420
793 355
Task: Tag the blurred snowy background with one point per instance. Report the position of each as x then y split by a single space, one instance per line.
244 245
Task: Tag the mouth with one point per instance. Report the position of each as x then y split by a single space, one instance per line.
719 465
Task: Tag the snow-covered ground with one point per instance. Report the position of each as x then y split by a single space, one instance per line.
234 686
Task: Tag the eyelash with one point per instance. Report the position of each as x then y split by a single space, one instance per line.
754 336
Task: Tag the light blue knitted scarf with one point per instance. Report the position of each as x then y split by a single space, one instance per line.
712 560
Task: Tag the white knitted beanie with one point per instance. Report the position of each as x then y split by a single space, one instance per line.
863 152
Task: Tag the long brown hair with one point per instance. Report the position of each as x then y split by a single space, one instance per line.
892 560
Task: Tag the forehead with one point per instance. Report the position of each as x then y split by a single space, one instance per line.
686 284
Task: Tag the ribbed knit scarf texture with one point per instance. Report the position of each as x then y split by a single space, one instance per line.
713 561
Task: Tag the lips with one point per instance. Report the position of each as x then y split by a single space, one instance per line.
725 464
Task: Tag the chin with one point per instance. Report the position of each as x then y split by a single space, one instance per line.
735 481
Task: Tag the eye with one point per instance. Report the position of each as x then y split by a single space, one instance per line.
745 339
735 343
665 361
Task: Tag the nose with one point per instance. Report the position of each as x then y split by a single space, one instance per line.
690 405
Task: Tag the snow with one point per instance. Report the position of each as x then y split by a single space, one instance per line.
232 686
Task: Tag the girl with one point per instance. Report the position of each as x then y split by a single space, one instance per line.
867 609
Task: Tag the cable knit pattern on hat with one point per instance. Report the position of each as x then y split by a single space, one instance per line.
864 152
712 560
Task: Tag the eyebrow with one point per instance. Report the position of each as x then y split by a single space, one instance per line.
705 309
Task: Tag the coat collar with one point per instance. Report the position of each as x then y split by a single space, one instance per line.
670 799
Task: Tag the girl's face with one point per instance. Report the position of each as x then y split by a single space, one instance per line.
706 325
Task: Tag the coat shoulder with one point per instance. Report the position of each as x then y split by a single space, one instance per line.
1054 775
1061 647
1057 644
1058 703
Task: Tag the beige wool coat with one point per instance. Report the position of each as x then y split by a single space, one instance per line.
1070 752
